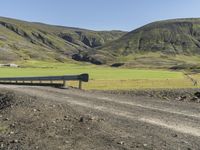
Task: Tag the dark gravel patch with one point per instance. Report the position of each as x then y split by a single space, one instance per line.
6 100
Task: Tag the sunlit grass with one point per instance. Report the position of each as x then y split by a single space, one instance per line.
102 77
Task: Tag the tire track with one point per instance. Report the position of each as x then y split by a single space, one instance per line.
154 121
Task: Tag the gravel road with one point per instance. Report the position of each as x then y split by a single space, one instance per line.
125 122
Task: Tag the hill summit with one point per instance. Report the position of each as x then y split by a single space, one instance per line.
169 41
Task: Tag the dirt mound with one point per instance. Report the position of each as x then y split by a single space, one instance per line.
6 100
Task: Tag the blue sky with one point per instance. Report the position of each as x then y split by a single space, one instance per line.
99 14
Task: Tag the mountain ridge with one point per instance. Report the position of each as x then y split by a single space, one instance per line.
171 43
26 40
168 38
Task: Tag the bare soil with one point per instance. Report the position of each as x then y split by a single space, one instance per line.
47 118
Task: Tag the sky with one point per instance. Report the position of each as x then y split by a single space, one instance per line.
99 14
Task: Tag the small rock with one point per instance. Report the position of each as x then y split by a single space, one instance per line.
14 141
181 98
197 94
34 110
91 118
194 99
121 142
101 119
174 135
137 146
12 125
2 146
145 145
11 132
6 119
67 142
81 119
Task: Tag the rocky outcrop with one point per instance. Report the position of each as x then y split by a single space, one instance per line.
86 58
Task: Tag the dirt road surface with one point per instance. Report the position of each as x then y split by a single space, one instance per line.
39 116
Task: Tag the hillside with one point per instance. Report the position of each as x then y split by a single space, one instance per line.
164 43
20 40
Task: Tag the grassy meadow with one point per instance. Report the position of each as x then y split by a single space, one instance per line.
103 77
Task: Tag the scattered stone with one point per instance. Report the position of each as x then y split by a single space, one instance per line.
11 132
14 141
6 119
181 98
81 119
12 125
197 94
166 98
102 119
194 99
145 145
174 135
121 142
67 142
137 146
66 118
91 118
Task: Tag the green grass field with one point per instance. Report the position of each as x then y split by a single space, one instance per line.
102 77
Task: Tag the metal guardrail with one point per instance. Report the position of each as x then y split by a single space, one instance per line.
32 80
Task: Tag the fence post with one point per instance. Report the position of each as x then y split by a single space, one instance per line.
80 84
65 84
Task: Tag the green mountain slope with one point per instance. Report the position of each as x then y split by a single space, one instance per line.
20 40
172 41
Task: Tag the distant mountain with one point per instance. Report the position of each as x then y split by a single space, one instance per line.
155 43
21 40
163 44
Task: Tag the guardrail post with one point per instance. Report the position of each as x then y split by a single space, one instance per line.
65 84
80 84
